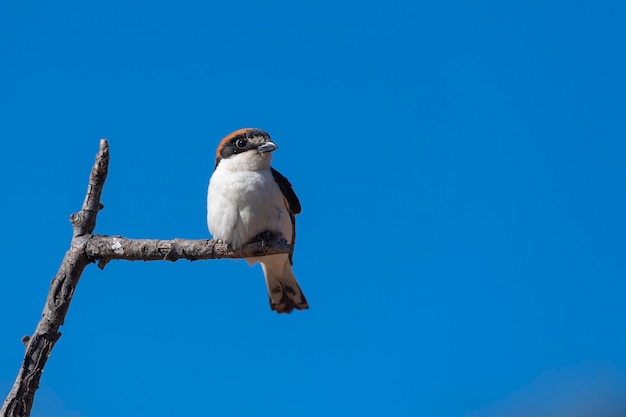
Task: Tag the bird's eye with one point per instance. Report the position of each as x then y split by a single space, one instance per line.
241 143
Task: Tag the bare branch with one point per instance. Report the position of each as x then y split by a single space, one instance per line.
84 222
107 248
86 248
19 402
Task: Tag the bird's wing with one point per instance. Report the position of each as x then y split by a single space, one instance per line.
293 203
287 190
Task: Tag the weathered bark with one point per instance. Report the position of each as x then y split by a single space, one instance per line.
86 248
20 399
106 248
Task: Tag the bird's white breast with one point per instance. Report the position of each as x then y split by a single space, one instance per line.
242 204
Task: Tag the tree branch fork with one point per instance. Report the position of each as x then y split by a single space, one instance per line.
86 248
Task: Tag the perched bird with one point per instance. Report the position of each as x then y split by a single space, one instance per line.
247 200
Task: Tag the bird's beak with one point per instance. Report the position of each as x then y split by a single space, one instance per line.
268 146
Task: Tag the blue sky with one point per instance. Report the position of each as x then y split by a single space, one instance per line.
461 171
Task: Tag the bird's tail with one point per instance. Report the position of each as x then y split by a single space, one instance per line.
283 289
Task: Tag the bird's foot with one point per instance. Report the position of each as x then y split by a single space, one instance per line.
266 236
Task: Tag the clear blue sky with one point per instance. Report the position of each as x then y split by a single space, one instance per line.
461 167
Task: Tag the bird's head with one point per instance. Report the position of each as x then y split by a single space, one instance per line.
246 149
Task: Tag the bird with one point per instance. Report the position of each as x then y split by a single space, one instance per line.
248 200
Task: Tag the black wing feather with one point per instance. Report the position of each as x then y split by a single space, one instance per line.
287 190
293 202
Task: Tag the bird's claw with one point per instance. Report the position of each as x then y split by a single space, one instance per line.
265 237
